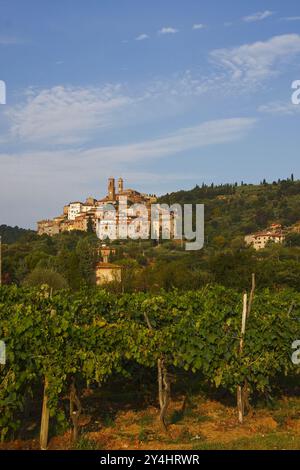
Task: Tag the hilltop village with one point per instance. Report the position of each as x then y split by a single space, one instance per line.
84 216
253 228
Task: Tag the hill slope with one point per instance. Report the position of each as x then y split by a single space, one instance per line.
232 210
12 234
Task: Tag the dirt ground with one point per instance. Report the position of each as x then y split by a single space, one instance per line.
204 424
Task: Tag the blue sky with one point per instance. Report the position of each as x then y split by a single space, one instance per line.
166 93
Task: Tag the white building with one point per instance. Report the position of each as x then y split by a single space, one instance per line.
260 240
74 210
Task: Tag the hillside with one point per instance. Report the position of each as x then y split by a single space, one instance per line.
13 234
231 211
236 210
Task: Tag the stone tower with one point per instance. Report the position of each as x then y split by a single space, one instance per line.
111 189
120 185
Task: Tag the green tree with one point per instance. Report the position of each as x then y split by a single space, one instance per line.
86 251
90 227
39 277
292 239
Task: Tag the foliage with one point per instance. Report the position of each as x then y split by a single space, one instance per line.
39 277
13 234
231 211
90 335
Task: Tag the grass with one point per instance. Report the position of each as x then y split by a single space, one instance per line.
143 435
210 425
202 425
145 420
291 410
84 443
179 415
271 441
108 421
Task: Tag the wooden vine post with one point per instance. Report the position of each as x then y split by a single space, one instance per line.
164 391
164 386
240 396
75 410
45 419
251 296
243 392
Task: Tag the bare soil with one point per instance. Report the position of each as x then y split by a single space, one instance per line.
204 424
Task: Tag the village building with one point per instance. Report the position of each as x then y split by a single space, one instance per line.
105 252
47 227
259 240
107 272
76 215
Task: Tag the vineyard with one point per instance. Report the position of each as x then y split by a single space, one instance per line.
65 342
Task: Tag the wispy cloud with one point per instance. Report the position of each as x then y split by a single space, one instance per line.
251 64
207 133
258 16
279 108
168 30
199 26
142 37
72 172
65 115
291 18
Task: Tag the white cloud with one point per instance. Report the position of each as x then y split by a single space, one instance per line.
291 18
207 133
204 134
64 115
142 37
199 26
168 30
70 115
59 176
279 108
250 64
259 16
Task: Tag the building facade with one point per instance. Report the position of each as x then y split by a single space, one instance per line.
259 240
79 215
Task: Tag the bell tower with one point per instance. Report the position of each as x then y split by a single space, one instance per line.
111 189
120 185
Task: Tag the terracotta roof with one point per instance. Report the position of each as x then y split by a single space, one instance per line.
108 265
268 234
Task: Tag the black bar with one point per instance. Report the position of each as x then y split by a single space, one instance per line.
133 459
